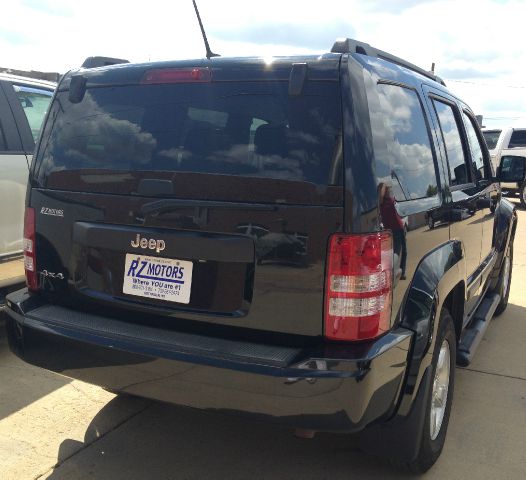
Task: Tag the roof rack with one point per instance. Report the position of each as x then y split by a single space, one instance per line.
94 62
349 45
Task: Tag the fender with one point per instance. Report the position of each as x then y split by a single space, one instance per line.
503 233
436 276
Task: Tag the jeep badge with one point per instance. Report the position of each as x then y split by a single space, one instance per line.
151 243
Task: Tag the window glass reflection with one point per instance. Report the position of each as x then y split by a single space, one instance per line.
477 157
402 149
512 169
458 170
234 128
491 137
35 103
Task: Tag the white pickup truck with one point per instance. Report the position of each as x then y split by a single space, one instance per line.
23 104
505 141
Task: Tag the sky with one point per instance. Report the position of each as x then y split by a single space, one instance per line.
477 45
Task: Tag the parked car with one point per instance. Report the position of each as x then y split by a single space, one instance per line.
512 174
152 184
23 105
505 141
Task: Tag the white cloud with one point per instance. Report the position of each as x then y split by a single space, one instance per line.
479 42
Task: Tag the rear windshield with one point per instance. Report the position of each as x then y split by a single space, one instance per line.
119 139
491 137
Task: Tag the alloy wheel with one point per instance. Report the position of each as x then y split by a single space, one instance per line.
440 390
506 275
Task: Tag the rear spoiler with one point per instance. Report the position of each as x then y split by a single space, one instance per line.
94 62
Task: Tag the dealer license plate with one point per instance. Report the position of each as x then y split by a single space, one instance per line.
159 278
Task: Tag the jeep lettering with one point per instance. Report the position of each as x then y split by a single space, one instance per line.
152 244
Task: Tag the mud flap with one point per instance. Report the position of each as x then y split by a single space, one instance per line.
399 439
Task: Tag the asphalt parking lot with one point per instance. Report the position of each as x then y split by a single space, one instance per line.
55 428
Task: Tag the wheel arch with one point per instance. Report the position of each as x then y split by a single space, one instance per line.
438 281
454 302
503 233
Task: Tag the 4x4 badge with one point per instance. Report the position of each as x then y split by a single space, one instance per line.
151 243
45 273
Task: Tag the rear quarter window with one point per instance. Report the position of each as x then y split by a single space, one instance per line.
402 148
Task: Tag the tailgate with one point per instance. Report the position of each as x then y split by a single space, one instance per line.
209 202
257 267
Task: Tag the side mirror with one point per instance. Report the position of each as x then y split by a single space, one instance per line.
511 169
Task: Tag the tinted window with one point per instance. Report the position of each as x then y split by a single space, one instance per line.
402 149
477 157
512 169
491 137
35 103
251 129
458 171
518 139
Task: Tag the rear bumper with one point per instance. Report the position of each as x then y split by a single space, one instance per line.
330 388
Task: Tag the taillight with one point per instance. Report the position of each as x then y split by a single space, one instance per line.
358 290
30 265
176 75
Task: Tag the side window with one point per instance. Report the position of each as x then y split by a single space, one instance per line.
35 103
518 139
402 148
477 157
491 137
458 171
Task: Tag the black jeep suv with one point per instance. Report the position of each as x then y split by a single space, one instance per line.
252 236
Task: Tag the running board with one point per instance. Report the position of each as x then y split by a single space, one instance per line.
473 333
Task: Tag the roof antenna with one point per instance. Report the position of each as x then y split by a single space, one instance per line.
209 53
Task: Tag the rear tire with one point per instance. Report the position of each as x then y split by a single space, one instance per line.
503 286
440 397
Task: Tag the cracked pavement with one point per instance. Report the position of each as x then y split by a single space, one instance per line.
55 428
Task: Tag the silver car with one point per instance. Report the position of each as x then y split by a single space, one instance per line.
23 105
